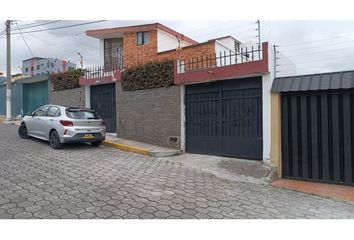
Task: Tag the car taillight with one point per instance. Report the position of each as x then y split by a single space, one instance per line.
66 123
103 123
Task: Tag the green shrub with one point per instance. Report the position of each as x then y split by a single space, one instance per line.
149 75
66 80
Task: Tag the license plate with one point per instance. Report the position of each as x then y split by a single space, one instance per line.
88 136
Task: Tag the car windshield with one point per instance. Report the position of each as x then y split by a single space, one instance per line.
81 114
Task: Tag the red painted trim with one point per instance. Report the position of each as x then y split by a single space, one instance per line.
139 28
101 80
226 72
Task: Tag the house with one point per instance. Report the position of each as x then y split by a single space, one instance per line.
38 65
219 104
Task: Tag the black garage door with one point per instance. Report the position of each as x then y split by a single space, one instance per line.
103 100
225 118
318 136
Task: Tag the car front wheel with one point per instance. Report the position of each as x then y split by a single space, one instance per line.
54 140
22 131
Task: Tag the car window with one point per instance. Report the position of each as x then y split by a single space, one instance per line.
53 112
81 114
41 112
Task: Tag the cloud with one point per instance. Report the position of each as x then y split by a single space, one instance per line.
311 45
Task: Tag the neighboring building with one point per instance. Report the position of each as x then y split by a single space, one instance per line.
37 66
2 79
220 103
27 93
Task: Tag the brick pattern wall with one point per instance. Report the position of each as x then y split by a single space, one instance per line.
150 116
135 55
71 97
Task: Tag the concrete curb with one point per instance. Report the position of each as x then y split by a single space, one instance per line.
127 148
143 151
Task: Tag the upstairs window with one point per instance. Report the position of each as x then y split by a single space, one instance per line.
142 38
38 67
26 69
113 53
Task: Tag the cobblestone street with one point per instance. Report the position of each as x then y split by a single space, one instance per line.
81 181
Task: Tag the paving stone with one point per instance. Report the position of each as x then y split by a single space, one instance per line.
86 215
103 214
146 215
23 215
33 209
69 216
60 212
84 182
119 212
161 214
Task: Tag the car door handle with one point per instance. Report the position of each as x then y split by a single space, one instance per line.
51 119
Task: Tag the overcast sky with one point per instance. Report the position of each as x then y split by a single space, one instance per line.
313 46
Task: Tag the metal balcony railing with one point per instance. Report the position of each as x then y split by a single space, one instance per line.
242 55
101 71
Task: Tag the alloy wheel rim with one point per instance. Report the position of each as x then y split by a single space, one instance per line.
52 140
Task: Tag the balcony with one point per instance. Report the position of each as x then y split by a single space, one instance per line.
248 61
100 75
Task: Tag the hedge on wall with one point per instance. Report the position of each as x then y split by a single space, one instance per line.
66 80
149 75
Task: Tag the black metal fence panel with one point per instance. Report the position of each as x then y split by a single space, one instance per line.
318 136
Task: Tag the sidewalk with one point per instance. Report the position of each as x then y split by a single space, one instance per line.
338 192
139 147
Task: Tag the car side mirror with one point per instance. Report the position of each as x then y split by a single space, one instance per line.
29 114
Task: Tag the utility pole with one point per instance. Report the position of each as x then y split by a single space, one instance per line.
8 71
81 61
259 32
275 60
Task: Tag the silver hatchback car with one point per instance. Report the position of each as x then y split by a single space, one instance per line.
59 125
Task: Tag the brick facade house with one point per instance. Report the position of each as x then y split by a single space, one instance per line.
219 103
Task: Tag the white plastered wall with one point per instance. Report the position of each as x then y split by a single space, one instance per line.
267 81
166 41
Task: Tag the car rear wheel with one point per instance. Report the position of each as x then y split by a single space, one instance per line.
22 131
54 140
96 144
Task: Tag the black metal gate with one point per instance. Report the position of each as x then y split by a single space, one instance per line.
225 118
318 136
103 100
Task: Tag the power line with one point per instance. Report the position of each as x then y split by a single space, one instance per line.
29 49
63 27
320 52
318 40
319 61
41 24
318 46
33 23
55 46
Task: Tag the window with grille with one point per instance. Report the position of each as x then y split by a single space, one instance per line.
113 53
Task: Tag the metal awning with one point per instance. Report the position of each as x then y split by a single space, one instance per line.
314 82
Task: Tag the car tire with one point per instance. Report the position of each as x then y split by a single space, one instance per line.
22 131
96 144
54 140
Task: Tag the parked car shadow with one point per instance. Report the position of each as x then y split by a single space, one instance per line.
67 146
